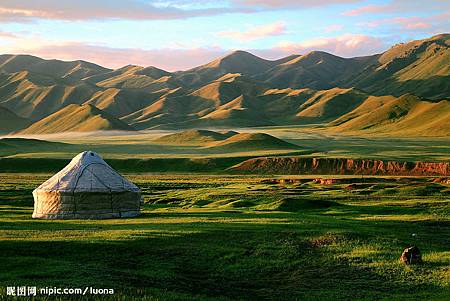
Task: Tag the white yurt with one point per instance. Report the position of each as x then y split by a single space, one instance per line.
86 188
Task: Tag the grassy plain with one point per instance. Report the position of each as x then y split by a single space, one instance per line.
310 142
206 237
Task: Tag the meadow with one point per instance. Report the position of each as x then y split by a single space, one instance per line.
229 237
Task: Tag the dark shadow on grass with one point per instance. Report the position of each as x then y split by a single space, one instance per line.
253 265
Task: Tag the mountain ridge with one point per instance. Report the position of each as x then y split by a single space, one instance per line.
240 89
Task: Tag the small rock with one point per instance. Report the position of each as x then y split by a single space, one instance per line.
350 187
411 255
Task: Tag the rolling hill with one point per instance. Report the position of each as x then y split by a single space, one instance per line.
251 141
194 137
77 118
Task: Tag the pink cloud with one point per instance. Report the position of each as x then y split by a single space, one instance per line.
333 28
291 3
418 25
347 45
8 35
401 7
407 23
25 10
368 9
257 32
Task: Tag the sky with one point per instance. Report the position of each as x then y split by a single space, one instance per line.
181 34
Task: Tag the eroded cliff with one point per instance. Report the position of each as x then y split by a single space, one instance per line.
300 165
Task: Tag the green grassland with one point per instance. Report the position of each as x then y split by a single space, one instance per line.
306 140
206 237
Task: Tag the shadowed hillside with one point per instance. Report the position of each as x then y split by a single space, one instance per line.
330 104
194 137
73 70
251 141
22 142
316 70
75 118
419 67
11 146
237 62
10 121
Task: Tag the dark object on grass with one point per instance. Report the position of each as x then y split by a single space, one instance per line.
350 187
411 255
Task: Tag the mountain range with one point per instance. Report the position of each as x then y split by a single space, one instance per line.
405 90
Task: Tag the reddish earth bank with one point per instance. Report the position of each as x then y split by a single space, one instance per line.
299 165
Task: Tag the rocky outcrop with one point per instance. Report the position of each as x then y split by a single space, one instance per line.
341 166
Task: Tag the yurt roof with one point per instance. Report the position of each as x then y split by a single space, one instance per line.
87 172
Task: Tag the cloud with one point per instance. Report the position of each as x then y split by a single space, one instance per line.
257 32
8 35
368 9
25 10
347 45
407 23
291 3
400 6
411 22
418 25
333 28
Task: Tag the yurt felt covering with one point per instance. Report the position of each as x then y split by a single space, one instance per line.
86 188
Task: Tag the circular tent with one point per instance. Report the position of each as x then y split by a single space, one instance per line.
86 188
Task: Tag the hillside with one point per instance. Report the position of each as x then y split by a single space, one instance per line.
406 115
231 99
251 141
194 137
20 143
69 70
330 104
237 62
240 90
10 121
14 146
419 67
34 96
316 70
76 118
